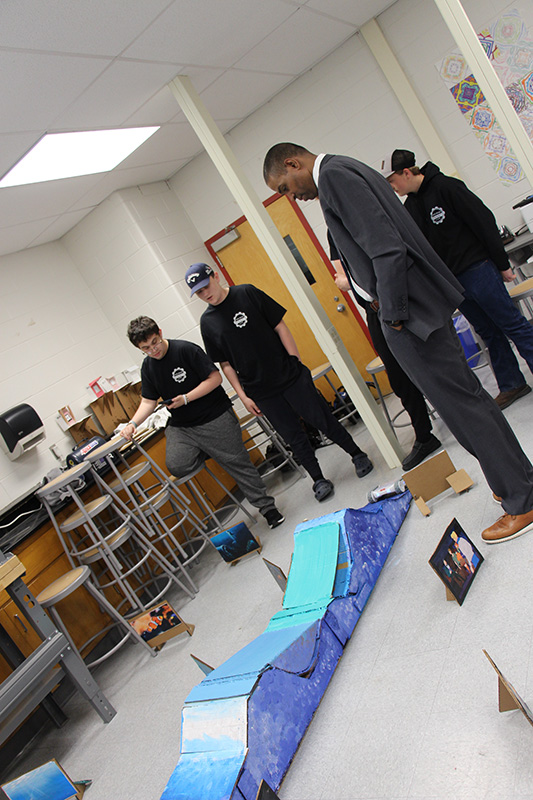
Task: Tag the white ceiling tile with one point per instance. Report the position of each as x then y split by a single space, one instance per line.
356 13
116 94
209 33
171 142
124 178
13 146
163 106
99 27
42 200
303 40
57 227
18 237
35 88
237 92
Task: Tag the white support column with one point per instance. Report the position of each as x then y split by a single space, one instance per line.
464 34
391 68
276 249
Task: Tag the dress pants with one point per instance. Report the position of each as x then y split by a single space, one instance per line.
188 448
438 367
403 387
301 399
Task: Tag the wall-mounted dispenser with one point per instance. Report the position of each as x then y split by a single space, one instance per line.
21 428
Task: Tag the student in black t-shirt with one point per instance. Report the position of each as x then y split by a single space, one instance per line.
202 421
243 329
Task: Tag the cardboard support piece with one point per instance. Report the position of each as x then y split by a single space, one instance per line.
506 701
277 573
449 595
206 669
433 477
265 792
508 697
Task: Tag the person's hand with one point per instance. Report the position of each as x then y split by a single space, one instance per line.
177 402
128 431
508 275
250 406
341 282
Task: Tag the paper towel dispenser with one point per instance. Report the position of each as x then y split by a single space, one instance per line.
21 428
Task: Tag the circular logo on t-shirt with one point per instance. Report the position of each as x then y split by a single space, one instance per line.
240 319
179 374
437 215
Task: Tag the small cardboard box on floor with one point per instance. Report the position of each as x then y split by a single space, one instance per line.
433 477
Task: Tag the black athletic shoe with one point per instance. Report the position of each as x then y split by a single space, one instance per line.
420 451
322 489
274 518
362 465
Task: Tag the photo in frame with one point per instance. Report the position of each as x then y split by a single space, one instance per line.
49 781
160 623
456 561
235 542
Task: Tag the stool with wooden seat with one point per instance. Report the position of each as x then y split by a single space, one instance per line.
344 411
147 504
522 292
265 436
63 587
84 538
374 368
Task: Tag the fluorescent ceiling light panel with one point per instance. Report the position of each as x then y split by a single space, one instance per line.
67 155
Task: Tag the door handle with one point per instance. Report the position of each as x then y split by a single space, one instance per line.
341 307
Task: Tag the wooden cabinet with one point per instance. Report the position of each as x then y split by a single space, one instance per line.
45 560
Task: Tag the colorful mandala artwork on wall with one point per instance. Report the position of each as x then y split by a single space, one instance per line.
508 43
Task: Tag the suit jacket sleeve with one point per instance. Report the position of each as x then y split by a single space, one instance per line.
347 197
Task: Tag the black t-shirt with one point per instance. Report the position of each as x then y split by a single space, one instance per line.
181 369
241 330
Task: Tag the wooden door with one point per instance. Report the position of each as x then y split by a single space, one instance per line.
245 261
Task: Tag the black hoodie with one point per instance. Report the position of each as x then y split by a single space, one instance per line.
457 223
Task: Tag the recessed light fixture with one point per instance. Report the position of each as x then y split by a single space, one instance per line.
68 155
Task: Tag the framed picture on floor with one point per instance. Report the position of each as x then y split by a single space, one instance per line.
236 542
160 623
456 561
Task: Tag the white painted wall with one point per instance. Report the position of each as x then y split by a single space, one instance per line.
345 105
65 306
55 339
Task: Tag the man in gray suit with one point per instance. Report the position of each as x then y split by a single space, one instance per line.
388 257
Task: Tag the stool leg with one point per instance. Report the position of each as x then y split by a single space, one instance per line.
131 632
231 496
383 404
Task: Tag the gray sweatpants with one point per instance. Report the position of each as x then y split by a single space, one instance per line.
188 448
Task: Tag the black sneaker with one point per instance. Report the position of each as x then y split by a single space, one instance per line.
274 518
420 451
323 489
362 465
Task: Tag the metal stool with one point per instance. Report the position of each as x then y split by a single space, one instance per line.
68 583
322 372
216 525
264 436
373 368
147 503
522 292
96 544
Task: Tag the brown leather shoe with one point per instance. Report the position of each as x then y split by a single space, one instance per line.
504 399
508 527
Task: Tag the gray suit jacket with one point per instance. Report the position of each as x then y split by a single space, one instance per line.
385 251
